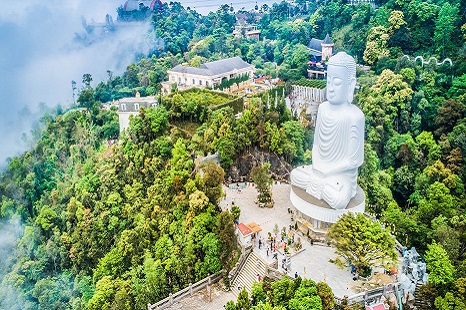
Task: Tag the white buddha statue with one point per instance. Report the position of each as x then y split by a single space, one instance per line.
338 148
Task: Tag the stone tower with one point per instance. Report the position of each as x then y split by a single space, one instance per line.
327 48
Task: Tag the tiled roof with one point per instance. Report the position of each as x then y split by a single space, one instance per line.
254 227
327 40
315 45
245 231
225 65
191 70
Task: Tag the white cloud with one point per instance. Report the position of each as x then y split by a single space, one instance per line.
38 58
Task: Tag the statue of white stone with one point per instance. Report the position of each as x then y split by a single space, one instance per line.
338 148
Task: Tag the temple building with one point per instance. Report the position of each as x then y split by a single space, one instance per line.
208 74
131 106
320 51
248 31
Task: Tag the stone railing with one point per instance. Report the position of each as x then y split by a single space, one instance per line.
188 291
245 251
370 295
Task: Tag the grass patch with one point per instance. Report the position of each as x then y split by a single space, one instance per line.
186 126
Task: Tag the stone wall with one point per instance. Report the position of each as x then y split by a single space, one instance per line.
241 168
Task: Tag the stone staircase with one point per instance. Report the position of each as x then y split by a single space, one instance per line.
420 304
253 266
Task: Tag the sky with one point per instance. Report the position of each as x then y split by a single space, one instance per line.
39 58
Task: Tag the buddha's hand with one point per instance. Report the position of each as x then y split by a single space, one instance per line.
340 166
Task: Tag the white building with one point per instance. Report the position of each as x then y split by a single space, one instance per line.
131 106
208 74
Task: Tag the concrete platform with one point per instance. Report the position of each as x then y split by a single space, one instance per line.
317 210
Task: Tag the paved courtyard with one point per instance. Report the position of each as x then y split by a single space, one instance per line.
313 262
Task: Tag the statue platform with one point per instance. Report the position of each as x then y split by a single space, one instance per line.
318 213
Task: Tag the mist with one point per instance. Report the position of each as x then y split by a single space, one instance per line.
10 232
39 58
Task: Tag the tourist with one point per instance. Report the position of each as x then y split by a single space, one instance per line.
295 274
260 243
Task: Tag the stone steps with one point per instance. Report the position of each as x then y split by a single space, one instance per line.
253 266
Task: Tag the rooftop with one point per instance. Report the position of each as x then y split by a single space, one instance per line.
315 45
254 227
148 99
214 67
245 230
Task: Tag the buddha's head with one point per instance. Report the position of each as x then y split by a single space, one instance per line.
341 79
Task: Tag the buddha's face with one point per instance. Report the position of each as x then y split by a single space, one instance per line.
340 87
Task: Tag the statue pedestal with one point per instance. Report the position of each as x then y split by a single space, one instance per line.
318 213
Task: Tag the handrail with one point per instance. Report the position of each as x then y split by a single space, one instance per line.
363 296
190 290
245 251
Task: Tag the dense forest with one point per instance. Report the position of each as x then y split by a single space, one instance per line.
115 221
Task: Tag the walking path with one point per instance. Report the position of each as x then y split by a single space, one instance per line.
205 300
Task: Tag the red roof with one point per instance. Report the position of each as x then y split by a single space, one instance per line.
245 231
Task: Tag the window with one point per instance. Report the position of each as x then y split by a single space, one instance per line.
194 82
200 82
179 80
206 83
136 106
173 78
123 107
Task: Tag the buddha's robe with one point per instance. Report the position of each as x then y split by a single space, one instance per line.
337 153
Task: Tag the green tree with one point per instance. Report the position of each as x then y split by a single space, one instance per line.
225 231
235 212
445 27
363 242
449 302
262 179
258 293
243 302
86 98
87 79
213 178
441 271
306 297
326 295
